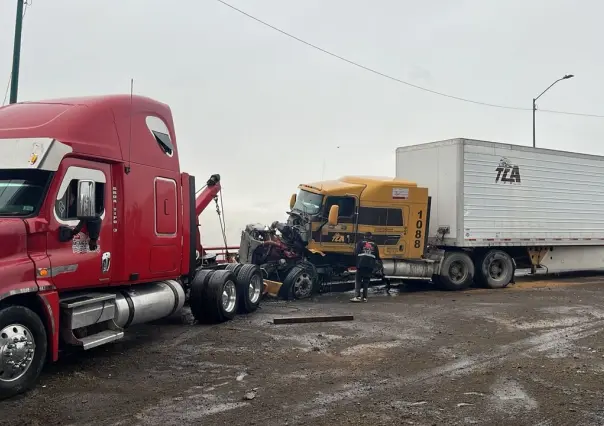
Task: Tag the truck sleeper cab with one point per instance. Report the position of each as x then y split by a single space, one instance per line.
99 231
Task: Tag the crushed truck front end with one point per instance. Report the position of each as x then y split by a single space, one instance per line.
327 218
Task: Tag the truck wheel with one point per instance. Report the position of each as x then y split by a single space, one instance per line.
495 269
22 350
249 288
220 297
457 271
312 270
197 296
298 284
234 268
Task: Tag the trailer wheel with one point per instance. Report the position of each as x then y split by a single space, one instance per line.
197 295
495 269
22 350
220 297
457 271
249 288
298 284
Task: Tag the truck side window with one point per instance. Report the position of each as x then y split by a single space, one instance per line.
66 207
161 134
395 217
346 204
376 216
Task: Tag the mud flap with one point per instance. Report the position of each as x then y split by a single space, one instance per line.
513 280
272 287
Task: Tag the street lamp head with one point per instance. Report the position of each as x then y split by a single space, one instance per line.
567 76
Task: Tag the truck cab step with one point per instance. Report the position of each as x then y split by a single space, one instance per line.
99 339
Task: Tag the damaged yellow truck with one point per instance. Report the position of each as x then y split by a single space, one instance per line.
326 219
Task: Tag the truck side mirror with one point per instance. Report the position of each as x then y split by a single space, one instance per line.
86 211
334 212
86 202
292 201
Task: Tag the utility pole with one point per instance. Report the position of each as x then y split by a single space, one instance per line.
14 82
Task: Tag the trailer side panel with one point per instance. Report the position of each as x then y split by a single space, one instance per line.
509 195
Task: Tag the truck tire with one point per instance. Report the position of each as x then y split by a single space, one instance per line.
234 268
220 297
298 284
312 270
249 286
197 295
495 269
23 344
456 272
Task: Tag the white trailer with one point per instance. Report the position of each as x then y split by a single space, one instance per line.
505 205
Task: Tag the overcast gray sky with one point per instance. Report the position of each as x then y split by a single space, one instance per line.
265 111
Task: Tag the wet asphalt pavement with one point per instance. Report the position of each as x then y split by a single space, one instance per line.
532 354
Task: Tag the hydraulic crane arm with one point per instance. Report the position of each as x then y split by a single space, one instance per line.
206 196
202 201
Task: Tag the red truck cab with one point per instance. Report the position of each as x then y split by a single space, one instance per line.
99 230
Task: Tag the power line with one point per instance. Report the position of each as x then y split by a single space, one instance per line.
10 75
398 80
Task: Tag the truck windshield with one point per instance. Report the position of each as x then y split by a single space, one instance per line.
22 191
308 202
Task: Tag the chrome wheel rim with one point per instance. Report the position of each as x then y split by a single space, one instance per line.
255 288
17 348
229 296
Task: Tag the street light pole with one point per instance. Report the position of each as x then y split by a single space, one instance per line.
14 82
566 77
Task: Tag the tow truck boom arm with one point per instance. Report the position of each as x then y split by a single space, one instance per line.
206 196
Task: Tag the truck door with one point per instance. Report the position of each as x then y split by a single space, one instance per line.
73 264
343 235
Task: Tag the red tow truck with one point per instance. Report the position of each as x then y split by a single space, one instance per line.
99 230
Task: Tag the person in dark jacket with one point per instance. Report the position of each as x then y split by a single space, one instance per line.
367 259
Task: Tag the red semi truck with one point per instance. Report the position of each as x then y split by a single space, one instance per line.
99 230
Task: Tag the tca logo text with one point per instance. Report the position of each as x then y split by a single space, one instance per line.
507 172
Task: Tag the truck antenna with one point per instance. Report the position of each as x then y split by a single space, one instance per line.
127 168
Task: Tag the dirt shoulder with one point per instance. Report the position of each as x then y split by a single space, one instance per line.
530 354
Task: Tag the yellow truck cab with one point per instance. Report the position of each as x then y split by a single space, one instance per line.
393 210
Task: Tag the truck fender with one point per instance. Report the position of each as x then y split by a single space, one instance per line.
49 301
19 288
